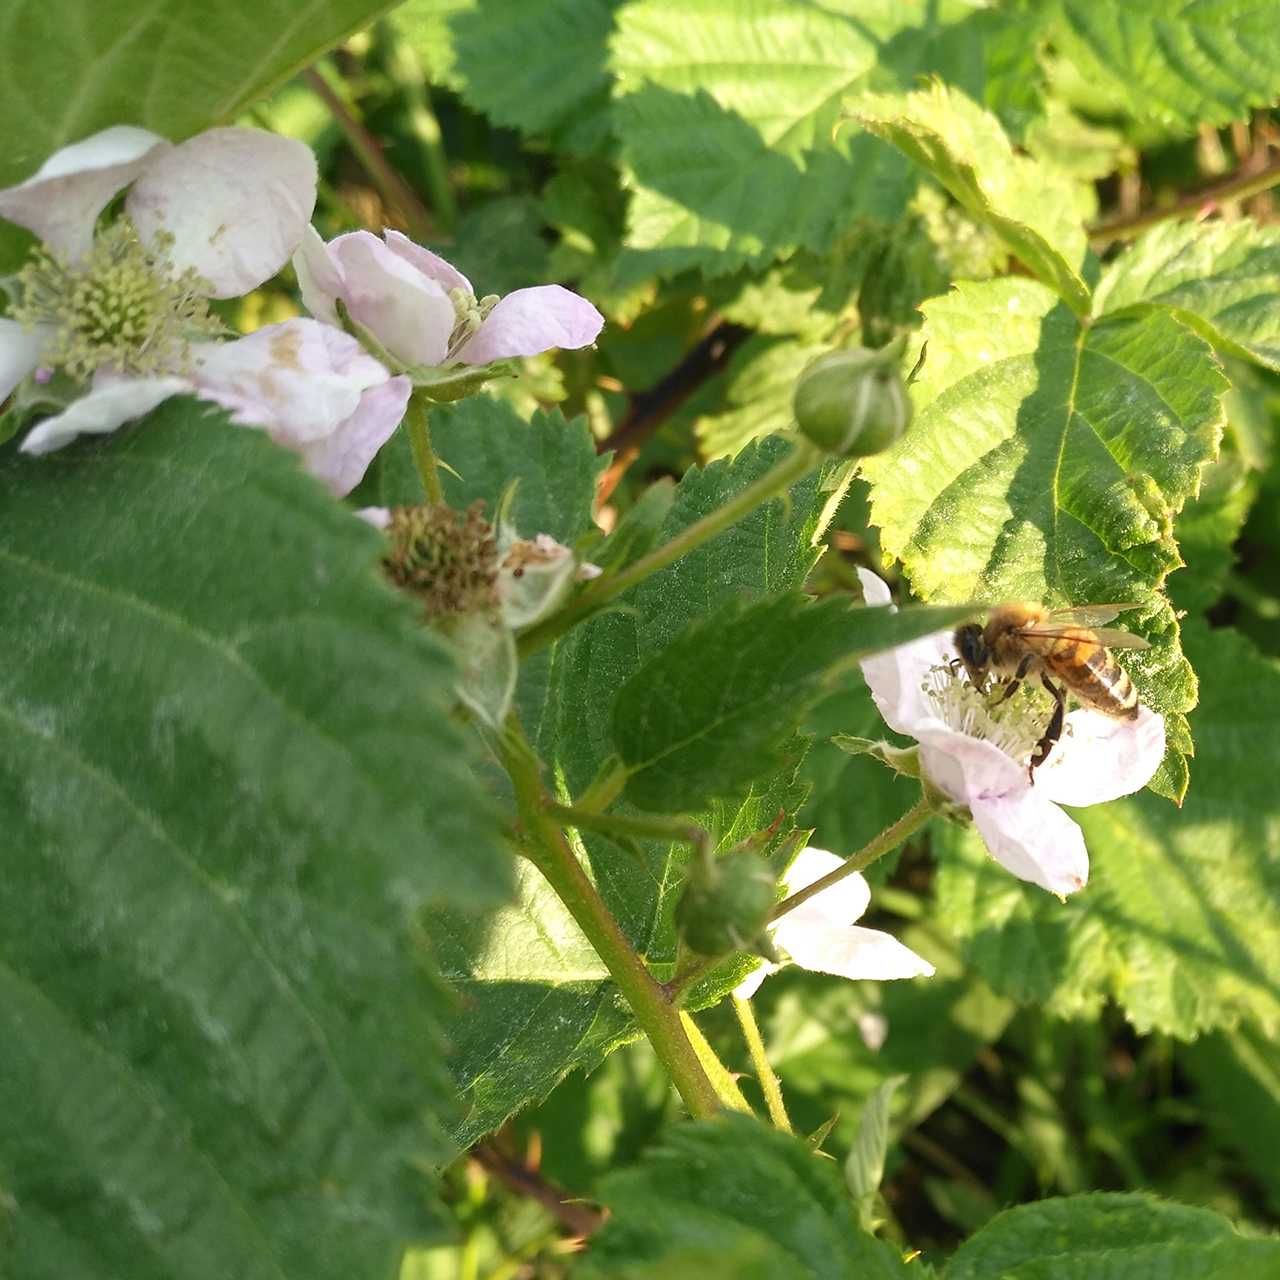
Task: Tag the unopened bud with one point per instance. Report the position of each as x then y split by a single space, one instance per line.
725 908
853 402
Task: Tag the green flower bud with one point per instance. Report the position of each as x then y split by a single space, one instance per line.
853 402
726 907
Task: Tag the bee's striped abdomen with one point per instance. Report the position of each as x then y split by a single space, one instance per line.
1093 675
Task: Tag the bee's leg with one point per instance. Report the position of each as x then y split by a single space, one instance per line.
1053 732
1011 685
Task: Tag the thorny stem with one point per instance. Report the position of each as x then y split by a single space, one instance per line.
545 846
888 840
765 1076
393 189
795 466
420 442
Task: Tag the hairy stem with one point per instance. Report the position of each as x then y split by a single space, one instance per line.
547 849
420 442
886 842
765 1076
725 1085
795 466
652 826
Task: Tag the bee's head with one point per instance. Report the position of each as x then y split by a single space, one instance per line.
974 652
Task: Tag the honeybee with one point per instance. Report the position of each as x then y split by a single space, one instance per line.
1069 650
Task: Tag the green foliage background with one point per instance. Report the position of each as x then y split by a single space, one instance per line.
266 966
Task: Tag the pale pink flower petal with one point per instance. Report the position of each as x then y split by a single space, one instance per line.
966 768
341 459
529 321
19 353
319 277
896 677
299 379
843 903
109 405
409 313
1030 836
430 264
61 201
236 202
1100 758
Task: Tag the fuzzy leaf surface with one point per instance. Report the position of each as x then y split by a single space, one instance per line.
732 1198
1107 1236
86 66
229 782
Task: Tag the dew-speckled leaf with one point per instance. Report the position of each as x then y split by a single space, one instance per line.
1222 278
1037 210
1112 1236
731 1198
76 66
229 782
1180 921
1173 65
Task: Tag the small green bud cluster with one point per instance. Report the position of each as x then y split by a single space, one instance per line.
726 903
121 308
853 402
447 558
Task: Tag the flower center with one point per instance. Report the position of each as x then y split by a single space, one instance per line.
470 313
1014 724
447 558
122 308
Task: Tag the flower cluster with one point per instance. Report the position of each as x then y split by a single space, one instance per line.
109 321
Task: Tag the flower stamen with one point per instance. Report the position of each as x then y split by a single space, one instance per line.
122 308
1015 724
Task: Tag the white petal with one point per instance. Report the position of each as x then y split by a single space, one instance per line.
896 676
236 202
532 320
319 277
841 904
430 264
379 517
1035 840
966 768
341 459
62 200
850 951
102 410
755 979
301 379
19 353
409 313
1100 758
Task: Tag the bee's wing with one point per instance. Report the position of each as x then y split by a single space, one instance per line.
1107 636
1090 615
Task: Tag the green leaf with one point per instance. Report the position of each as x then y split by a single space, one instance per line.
1036 210
1174 66
1179 923
733 1199
864 1166
532 64
1047 462
1221 278
727 121
229 781
718 705
552 463
84 66
1111 1237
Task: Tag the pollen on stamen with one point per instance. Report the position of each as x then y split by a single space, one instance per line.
1015 724
123 308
